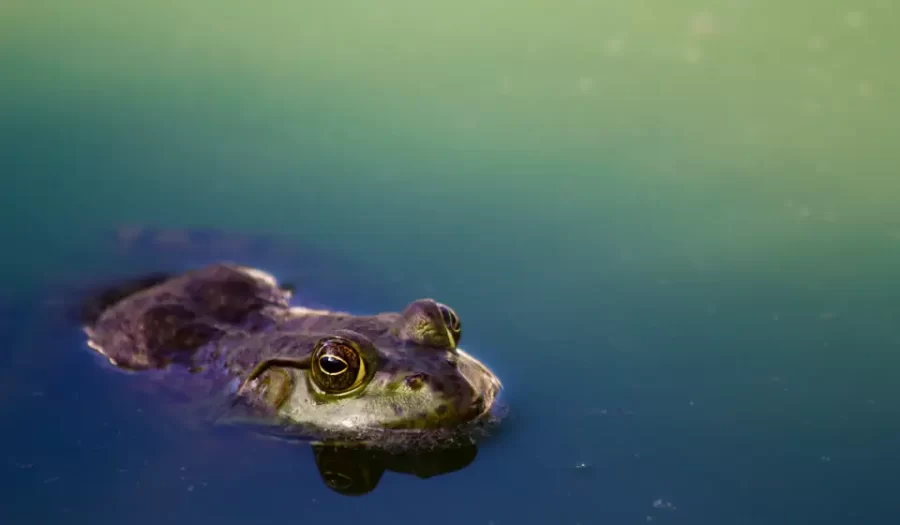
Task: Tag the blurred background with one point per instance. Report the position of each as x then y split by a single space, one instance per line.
671 227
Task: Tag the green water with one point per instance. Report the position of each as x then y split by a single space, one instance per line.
660 205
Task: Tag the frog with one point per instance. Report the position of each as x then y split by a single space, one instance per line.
229 337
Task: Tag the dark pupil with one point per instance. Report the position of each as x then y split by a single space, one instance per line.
332 365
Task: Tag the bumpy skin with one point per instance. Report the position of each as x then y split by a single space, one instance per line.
227 335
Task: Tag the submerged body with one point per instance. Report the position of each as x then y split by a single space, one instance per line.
227 335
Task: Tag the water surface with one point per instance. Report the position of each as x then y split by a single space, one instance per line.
671 230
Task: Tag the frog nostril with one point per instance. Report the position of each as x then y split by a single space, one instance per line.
415 381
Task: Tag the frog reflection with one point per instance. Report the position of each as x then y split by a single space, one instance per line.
354 470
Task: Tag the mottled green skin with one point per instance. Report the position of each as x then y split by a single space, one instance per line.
209 330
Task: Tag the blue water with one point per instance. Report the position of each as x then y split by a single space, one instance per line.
646 411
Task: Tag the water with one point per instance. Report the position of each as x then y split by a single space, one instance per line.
671 230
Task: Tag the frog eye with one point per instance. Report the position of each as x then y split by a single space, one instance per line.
430 323
451 321
337 366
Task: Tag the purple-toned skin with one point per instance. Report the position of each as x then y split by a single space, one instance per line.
227 336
